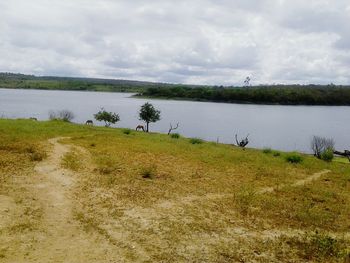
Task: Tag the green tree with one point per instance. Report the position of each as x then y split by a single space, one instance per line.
108 117
149 114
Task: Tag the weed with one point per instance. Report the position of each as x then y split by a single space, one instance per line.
267 150
175 136
321 246
148 172
294 158
196 141
127 131
276 154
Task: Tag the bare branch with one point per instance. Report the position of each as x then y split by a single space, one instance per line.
173 128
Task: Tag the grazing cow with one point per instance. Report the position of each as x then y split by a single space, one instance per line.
89 122
140 127
33 119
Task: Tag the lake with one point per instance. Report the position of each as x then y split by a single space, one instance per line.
288 128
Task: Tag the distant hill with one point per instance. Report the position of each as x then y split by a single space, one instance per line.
263 94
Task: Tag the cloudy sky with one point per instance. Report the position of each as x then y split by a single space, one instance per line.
182 41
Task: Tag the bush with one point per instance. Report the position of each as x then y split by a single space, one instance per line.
148 172
127 131
294 158
319 145
175 136
327 155
276 154
323 246
196 141
63 115
267 150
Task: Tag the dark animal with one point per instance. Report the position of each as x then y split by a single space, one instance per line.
140 127
346 153
89 122
33 119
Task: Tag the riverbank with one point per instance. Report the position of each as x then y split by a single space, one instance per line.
70 192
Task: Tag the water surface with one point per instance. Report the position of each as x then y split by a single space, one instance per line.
286 128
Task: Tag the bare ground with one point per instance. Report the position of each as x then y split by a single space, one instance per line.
62 238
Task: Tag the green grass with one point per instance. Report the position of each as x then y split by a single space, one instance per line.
198 199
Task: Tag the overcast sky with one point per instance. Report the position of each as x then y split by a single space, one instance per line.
183 41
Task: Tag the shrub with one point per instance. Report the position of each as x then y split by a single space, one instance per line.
196 141
319 145
327 155
267 150
294 158
322 246
276 154
175 136
127 131
148 172
63 115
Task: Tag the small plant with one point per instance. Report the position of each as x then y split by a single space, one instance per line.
196 141
267 150
294 158
37 156
148 172
127 131
175 136
276 154
34 154
323 246
327 155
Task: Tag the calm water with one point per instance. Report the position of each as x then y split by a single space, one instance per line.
280 127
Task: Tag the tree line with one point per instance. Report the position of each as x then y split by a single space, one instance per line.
285 95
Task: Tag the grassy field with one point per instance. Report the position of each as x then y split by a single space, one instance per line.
126 196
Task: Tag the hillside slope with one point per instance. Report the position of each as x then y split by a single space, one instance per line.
71 193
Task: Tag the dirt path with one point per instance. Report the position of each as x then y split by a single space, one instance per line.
297 183
63 239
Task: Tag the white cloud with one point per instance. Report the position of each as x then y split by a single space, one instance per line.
193 41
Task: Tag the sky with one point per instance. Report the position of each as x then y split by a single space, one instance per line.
215 42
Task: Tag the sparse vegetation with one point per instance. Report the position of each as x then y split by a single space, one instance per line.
209 203
127 131
148 172
196 141
267 150
175 135
294 158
